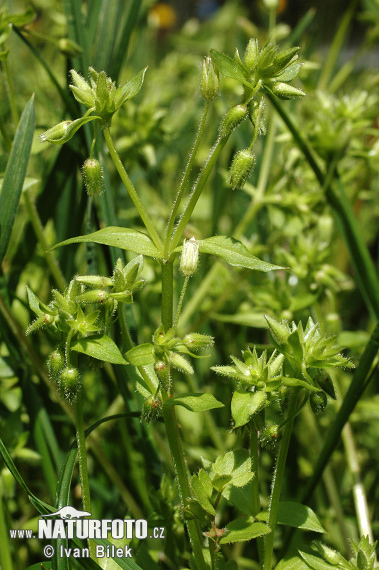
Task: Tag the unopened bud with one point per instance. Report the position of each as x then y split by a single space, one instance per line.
94 296
232 119
240 168
55 363
318 402
180 363
56 133
194 341
209 81
251 54
93 177
285 91
189 259
70 383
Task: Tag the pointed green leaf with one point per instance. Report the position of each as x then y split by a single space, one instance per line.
234 464
229 67
100 347
243 529
15 174
141 355
315 562
124 238
130 89
195 402
290 72
234 253
202 493
296 515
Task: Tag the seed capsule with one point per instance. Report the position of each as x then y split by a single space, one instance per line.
93 177
232 119
70 383
55 363
240 168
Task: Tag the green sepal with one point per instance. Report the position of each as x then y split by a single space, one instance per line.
130 89
229 67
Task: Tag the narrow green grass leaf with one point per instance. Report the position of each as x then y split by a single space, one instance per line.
195 402
41 506
123 40
15 174
101 347
108 25
124 238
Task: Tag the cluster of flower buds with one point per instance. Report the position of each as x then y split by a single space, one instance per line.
101 94
168 350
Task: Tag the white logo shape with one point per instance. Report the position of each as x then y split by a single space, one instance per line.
69 513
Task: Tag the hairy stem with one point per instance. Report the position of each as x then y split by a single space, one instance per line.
184 181
132 191
278 479
82 458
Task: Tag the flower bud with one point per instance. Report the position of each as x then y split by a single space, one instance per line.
69 383
251 54
55 364
56 133
93 177
285 91
180 363
209 81
189 259
270 437
94 280
194 341
232 119
318 402
240 168
94 296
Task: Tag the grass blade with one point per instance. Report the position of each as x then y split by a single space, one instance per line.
15 174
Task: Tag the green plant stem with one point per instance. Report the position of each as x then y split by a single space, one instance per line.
180 302
360 499
184 181
336 46
11 94
5 554
364 268
38 230
172 427
181 472
255 485
82 458
278 479
167 293
196 191
7 140
132 191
